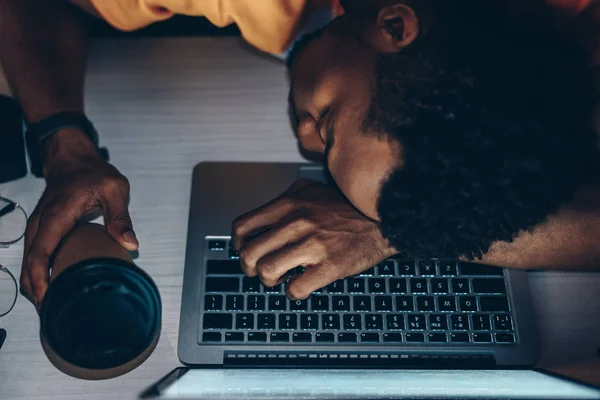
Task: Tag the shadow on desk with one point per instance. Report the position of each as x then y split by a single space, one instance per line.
568 322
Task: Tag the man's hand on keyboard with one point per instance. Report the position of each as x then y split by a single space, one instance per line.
310 225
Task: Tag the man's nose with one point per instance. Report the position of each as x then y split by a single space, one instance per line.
309 135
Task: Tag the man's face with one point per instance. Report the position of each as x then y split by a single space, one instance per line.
332 81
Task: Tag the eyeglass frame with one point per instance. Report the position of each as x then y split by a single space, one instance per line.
4 269
12 205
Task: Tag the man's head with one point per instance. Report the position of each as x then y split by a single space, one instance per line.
449 122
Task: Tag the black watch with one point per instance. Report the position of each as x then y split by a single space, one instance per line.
40 131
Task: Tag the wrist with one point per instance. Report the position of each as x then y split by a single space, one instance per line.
68 146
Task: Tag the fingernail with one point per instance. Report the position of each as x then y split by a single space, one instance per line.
129 237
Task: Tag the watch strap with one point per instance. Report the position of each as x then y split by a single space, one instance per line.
38 132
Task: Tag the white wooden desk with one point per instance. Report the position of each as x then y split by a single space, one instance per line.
162 106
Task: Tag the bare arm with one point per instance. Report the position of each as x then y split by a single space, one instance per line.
42 50
567 240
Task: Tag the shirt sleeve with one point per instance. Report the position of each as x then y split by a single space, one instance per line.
269 25
129 15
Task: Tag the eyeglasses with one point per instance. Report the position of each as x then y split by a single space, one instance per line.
13 221
8 291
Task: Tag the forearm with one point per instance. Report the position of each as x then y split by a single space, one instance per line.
42 51
567 240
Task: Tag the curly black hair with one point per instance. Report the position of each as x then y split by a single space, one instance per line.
493 114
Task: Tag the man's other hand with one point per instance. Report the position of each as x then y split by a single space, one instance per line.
313 226
76 186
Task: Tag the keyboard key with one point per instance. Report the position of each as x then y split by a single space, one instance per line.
488 285
234 302
448 268
387 268
415 337
244 321
299 305
216 245
319 303
467 303
482 337
233 253
383 303
437 338
374 322
340 303
319 290
323 337
217 321
406 268
479 270
336 287
392 337
416 322
398 285
460 322
266 322
404 303
251 285
369 337
256 303
418 285
438 322
301 337
439 285
356 285
211 337
427 268
277 303
368 272
221 285
213 302
223 267
460 285
362 303
288 321
377 285
280 337
274 290
330 322
493 303
502 322
309 321
425 303
346 337
352 322
480 322
505 338
456 337
395 322
446 303
257 337
234 336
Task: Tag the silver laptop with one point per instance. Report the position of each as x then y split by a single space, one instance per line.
424 328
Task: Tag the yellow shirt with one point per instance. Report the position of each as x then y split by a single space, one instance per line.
272 25
269 25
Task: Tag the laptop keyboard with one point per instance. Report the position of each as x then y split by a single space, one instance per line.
398 301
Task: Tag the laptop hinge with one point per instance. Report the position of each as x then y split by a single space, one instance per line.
356 360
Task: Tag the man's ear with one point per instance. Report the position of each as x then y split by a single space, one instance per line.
396 28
